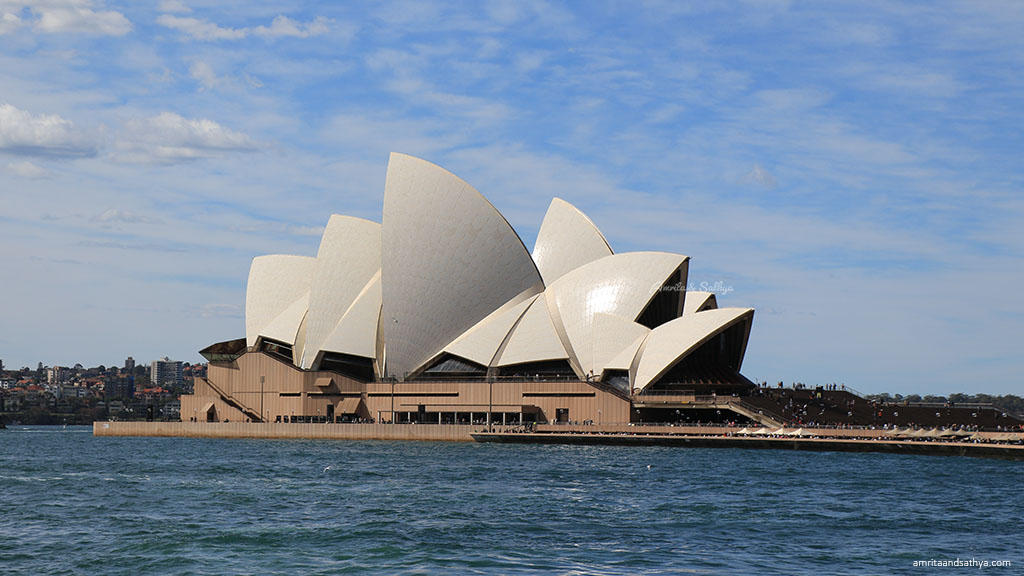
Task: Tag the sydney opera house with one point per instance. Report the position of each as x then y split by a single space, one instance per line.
440 314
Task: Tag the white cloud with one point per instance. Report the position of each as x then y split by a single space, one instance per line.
26 169
285 26
30 134
759 175
204 73
113 215
253 81
281 26
168 138
200 29
56 16
9 22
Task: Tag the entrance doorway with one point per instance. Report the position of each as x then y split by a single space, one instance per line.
561 415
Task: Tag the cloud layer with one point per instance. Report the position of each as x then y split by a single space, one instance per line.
280 27
24 133
62 16
853 174
170 138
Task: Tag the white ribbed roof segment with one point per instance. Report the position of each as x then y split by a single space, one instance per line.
482 342
567 240
698 302
275 283
612 336
449 259
626 359
348 259
534 338
285 328
300 338
356 332
669 343
621 284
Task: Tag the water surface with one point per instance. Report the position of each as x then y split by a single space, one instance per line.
71 503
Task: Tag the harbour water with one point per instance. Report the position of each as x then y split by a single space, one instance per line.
71 503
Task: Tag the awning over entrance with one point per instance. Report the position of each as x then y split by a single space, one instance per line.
325 382
207 407
350 405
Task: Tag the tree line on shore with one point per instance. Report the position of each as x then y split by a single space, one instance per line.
1009 403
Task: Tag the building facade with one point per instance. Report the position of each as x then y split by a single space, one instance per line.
439 314
121 386
57 375
166 372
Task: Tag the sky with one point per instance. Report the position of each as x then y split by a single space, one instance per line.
850 170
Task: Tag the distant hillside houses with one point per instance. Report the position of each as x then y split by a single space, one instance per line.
56 394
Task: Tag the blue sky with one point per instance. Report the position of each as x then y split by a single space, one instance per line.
850 170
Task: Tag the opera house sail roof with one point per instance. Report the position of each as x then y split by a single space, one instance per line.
444 286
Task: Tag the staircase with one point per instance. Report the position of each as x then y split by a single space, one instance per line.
234 402
609 389
750 411
709 402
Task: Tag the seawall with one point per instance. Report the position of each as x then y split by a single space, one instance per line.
447 432
836 444
608 434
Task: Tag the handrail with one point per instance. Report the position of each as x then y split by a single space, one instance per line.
946 405
733 400
609 388
845 388
232 401
739 402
